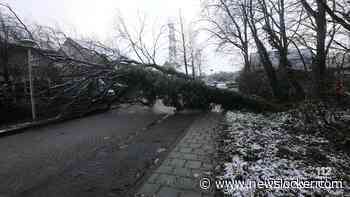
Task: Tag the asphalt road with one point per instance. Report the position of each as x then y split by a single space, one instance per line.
100 155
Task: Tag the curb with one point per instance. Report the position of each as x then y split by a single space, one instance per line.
28 125
20 128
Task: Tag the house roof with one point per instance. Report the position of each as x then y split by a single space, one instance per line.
82 50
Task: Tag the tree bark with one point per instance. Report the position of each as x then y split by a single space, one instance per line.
263 54
319 66
184 44
319 63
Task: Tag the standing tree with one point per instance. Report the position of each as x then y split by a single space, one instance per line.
254 23
318 15
183 43
228 25
277 28
340 12
195 48
11 31
144 46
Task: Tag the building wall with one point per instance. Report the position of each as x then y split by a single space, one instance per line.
18 64
339 60
18 91
293 57
76 51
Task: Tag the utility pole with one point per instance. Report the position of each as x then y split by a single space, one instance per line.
29 44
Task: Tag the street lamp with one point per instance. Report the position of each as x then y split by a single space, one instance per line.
29 44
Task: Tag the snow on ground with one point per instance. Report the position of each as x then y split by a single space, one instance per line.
260 147
160 108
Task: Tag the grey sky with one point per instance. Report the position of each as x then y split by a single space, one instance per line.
96 18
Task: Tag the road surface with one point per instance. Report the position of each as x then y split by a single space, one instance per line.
99 155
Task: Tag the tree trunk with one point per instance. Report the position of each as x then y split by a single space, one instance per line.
319 65
270 71
246 45
262 51
184 44
193 69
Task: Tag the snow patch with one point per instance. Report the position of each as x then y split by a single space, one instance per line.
260 147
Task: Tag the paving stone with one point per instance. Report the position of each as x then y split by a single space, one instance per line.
207 166
199 172
189 156
195 145
168 162
193 164
178 162
203 158
207 147
183 145
185 183
199 151
183 172
168 192
186 150
166 179
175 155
165 169
149 189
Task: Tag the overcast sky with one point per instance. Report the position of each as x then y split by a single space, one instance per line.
96 18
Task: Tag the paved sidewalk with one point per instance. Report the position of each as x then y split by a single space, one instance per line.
180 173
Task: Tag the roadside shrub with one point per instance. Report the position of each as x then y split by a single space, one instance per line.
255 83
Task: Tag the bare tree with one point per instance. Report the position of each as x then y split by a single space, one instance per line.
195 48
198 56
11 31
318 15
228 25
183 38
279 32
254 20
138 41
339 13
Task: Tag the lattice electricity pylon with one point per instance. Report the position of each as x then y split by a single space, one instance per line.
172 43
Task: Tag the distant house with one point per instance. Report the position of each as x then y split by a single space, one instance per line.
16 88
18 62
339 60
45 69
297 61
42 58
84 51
173 65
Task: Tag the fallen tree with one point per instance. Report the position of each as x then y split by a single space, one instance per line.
182 93
147 83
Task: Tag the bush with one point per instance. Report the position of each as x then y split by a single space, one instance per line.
255 83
